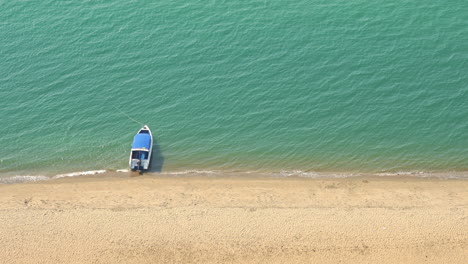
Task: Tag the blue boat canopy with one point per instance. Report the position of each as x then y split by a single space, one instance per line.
141 141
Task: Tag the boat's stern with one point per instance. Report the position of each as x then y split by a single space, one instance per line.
139 164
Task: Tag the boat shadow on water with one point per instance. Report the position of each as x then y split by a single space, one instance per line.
157 158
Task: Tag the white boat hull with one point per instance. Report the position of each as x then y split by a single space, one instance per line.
140 156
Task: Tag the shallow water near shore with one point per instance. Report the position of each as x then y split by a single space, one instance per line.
206 174
265 87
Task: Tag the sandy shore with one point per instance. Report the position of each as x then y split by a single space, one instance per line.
145 219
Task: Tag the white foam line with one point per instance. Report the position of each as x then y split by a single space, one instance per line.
23 178
311 174
189 172
397 173
81 173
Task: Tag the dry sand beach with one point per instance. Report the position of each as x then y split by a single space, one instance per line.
161 219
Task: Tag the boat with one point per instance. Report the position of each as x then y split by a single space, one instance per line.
142 146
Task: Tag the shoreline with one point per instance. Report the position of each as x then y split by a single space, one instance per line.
12 178
205 219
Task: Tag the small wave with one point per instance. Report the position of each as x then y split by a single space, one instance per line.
23 178
189 172
280 174
298 173
399 173
81 173
312 174
34 178
428 174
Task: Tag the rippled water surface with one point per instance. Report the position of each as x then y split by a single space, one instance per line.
350 86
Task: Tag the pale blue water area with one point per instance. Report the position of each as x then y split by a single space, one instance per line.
265 86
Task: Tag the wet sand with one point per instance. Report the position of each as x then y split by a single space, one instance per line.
160 219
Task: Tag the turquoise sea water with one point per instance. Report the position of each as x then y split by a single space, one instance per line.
349 86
